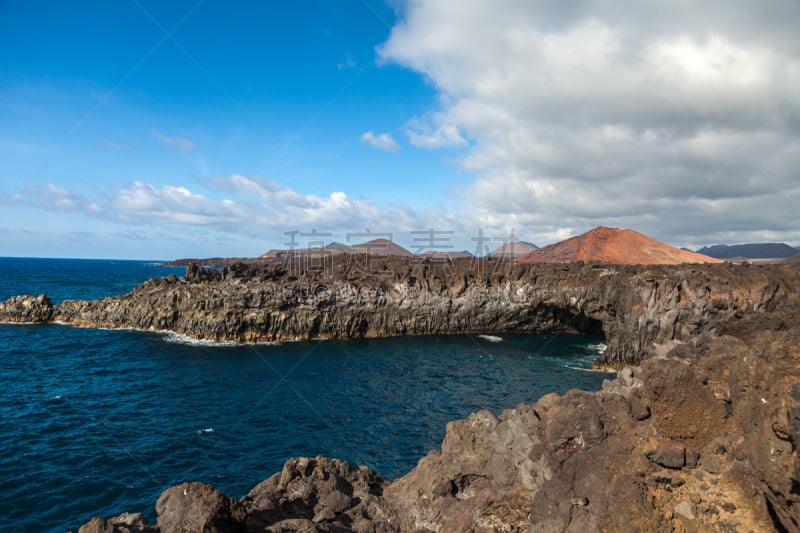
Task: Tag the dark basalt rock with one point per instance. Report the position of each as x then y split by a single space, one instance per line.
27 309
640 310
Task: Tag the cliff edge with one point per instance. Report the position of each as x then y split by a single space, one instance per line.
639 309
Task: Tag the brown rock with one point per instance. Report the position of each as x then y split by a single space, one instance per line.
666 452
692 457
198 508
639 409
124 523
318 490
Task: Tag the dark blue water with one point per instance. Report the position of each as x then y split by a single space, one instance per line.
96 422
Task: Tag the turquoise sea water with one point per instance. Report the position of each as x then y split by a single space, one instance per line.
97 422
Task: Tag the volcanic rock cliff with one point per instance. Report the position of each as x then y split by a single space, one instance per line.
639 309
702 435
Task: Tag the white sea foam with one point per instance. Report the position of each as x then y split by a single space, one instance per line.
178 338
598 347
588 369
491 338
206 430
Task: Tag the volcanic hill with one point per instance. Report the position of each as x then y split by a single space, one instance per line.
514 249
614 246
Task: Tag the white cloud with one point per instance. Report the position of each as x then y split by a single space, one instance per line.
424 135
677 119
383 141
255 207
184 145
51 197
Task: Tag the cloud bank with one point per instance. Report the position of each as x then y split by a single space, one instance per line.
677 119
249 206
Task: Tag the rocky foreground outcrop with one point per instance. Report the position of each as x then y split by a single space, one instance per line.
639 309
703 438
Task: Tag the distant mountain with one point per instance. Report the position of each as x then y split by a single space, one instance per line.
514 249
381 247
450 255
766 250
615 246
794 260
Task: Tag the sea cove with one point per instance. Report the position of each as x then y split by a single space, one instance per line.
100 421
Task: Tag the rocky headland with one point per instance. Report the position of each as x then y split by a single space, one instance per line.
641 310
699 431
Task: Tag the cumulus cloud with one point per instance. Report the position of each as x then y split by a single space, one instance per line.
183 145
249 205
677 119
383 141
53 198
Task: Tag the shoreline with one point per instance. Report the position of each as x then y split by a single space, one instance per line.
719 344
579 461
636 309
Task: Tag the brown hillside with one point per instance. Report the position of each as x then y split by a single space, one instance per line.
514 249
381 247
614 246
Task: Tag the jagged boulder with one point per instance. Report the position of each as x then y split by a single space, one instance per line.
199 508
124 523
319 494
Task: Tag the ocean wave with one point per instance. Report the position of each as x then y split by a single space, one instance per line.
491 338
179 338
206 430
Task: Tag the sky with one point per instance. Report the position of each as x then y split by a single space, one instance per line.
157 130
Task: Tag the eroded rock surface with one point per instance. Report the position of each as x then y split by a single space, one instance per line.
639 309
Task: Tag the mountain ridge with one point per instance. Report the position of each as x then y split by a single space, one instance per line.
763 250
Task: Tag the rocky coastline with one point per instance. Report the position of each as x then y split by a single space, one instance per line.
700 431
640 310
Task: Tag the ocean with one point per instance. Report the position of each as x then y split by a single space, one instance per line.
98 422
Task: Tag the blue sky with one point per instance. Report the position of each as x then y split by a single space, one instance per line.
140 129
